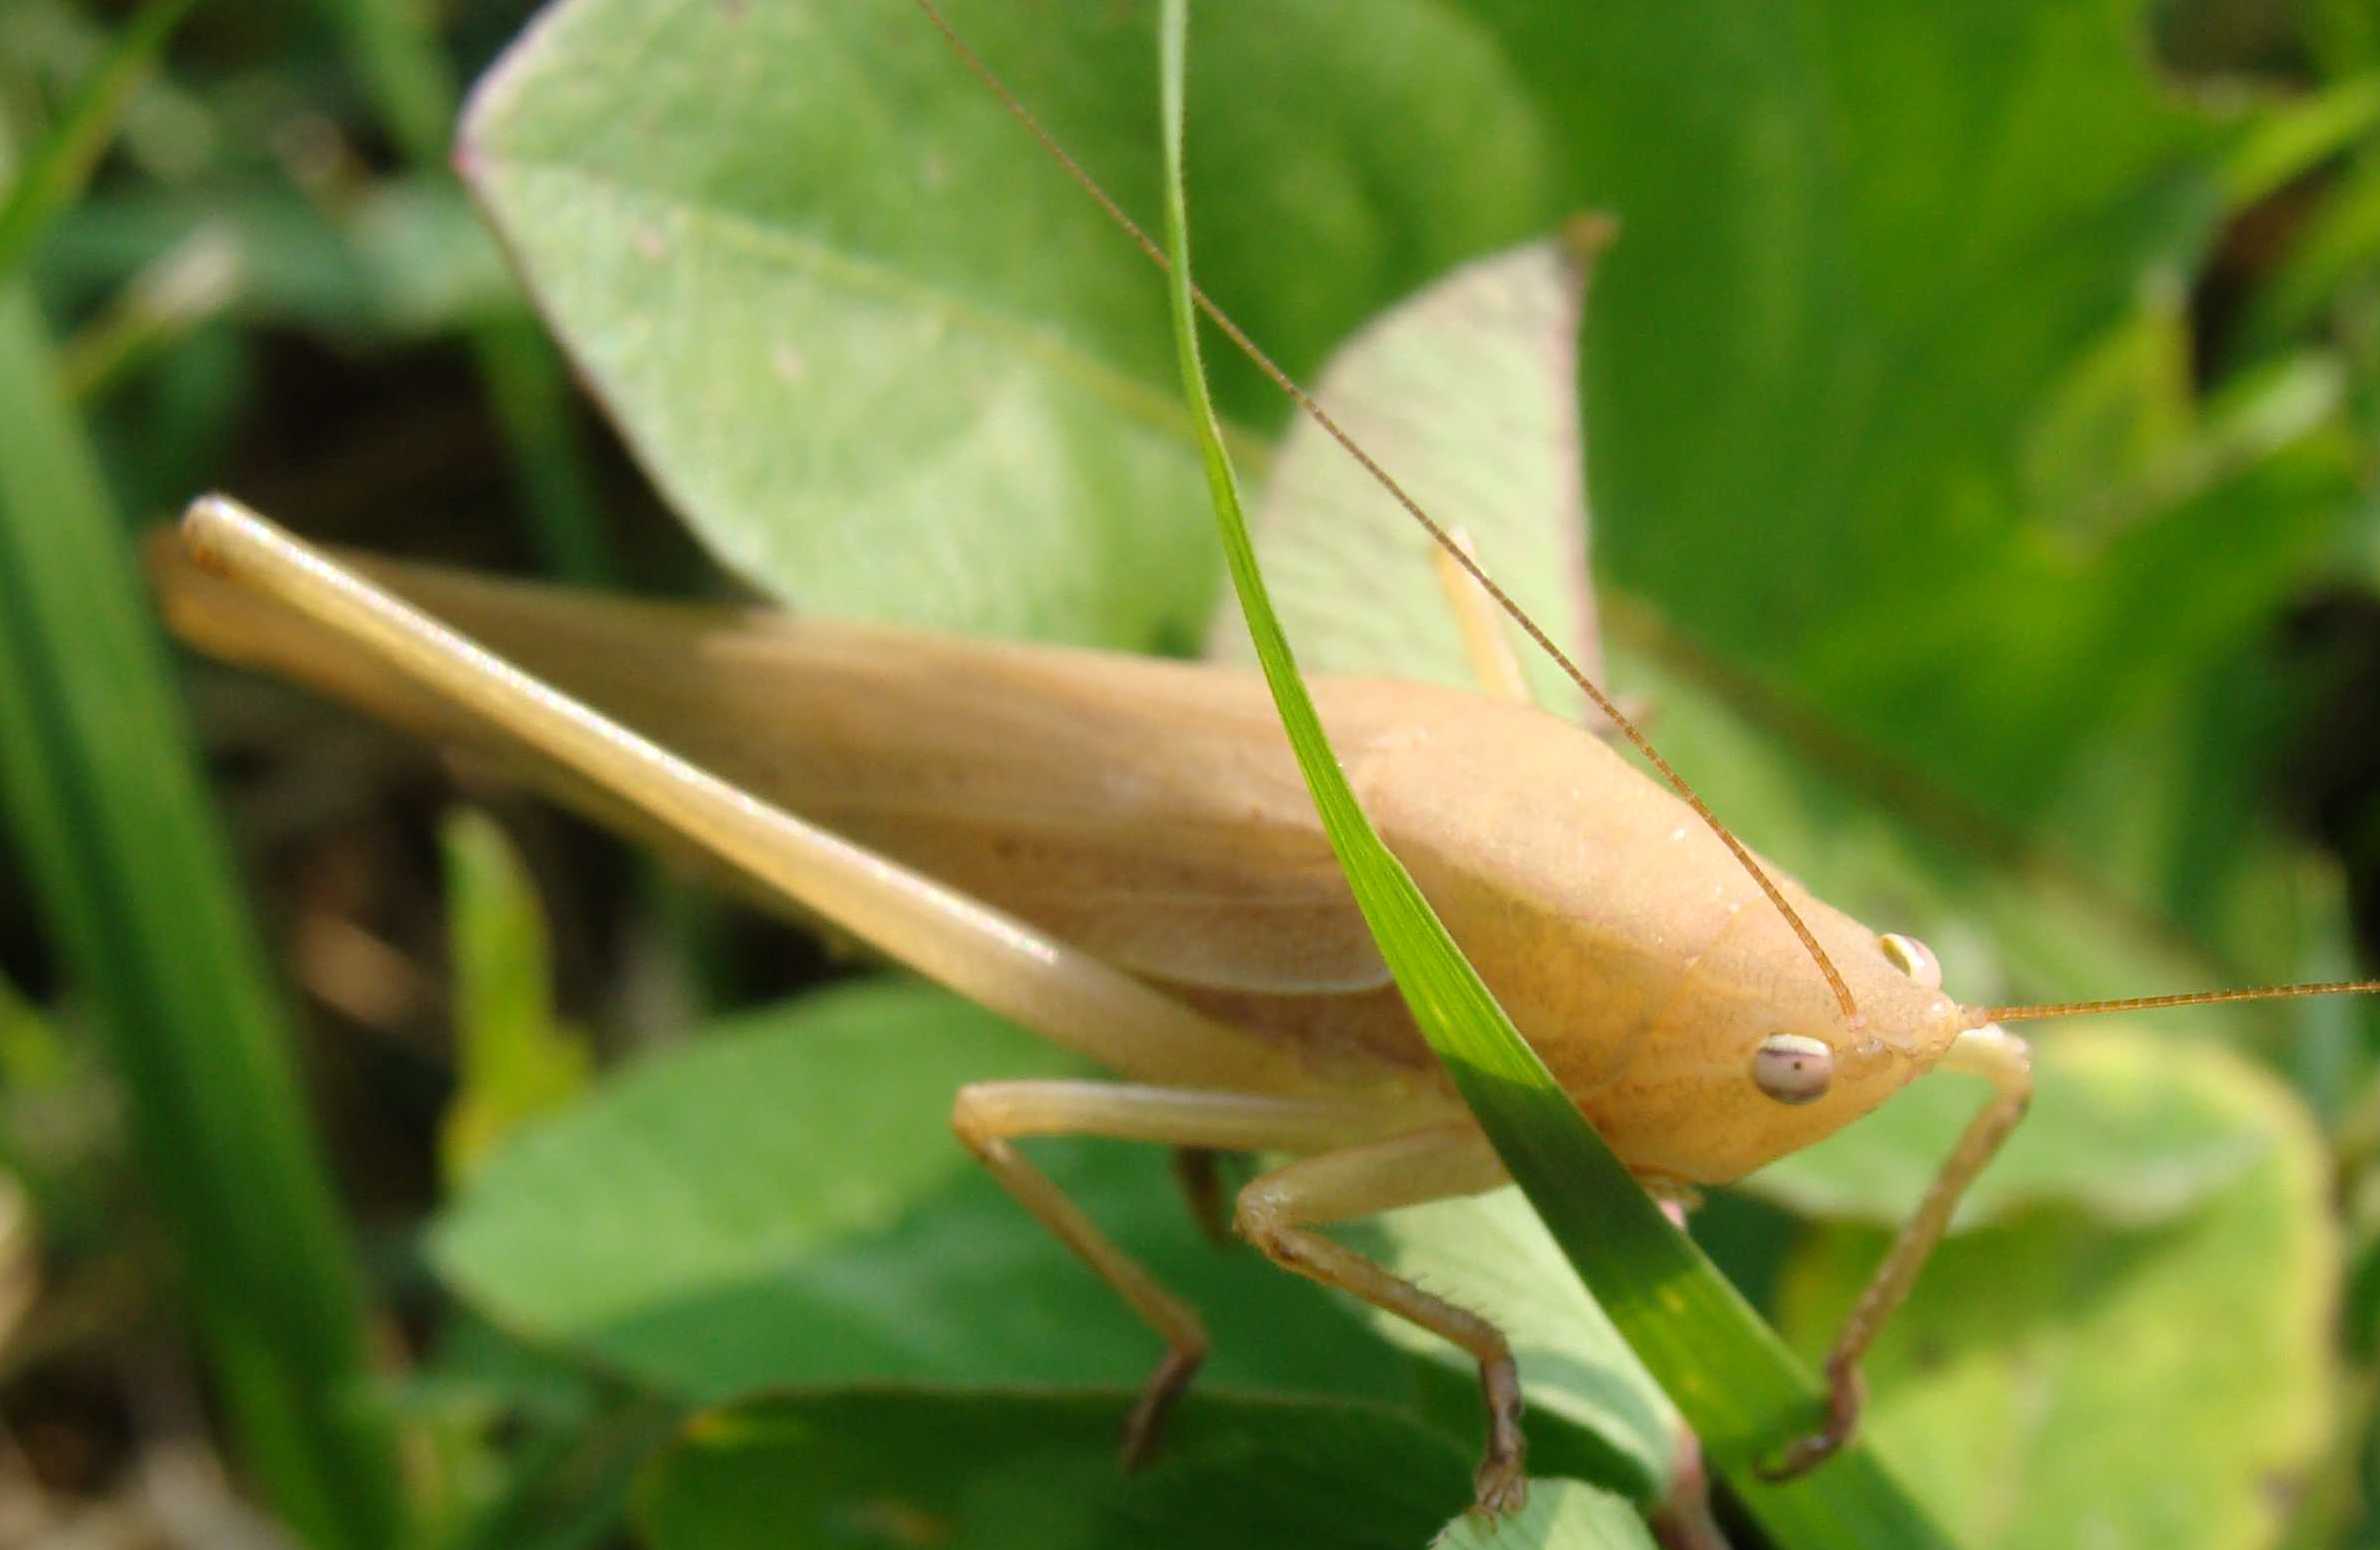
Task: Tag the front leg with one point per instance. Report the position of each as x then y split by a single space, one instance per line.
2002 1058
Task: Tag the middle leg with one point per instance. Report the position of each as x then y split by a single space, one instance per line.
990 1117
1278 1213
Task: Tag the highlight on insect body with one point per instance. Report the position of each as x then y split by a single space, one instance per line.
1624 893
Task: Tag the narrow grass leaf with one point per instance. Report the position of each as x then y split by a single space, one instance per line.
100 787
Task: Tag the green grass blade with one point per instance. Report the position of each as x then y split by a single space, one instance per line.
62 163
99 783
1738 1386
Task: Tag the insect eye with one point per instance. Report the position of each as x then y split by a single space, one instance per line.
1793 1067
1912 958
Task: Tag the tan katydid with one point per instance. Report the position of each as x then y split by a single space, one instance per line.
1120 854
1140 878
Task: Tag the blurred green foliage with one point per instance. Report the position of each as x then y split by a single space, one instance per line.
1982 412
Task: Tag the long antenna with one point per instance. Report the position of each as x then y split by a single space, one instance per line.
1439 535
2022 1014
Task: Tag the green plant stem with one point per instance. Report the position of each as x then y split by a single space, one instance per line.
102 790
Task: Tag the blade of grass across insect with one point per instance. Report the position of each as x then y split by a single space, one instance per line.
98 784
1738 1386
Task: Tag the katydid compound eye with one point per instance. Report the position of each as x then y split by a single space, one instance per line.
1793 1067
1912 958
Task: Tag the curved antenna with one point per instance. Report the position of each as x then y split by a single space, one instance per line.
2021 1014
1438 534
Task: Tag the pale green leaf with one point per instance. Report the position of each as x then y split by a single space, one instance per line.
2056 1382
1469 391
883 362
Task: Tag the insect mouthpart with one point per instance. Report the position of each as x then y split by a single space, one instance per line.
1793 1067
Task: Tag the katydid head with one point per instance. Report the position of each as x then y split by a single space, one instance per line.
1815 1079
1750 1060
1798 1068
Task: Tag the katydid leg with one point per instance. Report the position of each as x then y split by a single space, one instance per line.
1068 996
1175 1322
1495 665
1405 1170
2004 1060
1279 1211
1198 1171
1493 661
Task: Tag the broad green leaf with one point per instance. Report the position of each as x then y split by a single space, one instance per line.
2054 1381
883 359
1858 246
514 1060
2128 1128
1853 278
1038 1472
1561 1515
